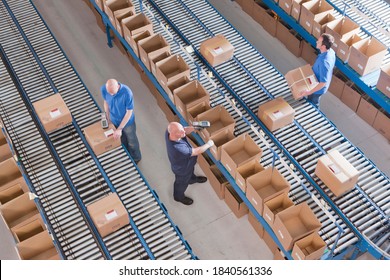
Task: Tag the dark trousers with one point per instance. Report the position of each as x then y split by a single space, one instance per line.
315 99
130 141
181 185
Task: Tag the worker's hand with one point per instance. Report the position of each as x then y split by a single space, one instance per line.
304 93
210 143
117 133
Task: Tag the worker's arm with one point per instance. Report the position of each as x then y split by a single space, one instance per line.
313 90
126 118
202 149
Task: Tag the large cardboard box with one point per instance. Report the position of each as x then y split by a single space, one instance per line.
269 22
276 205
336 172
351 96
152 46
10 193
132 40
337 84
234 201
171 68
259 9
38 247
247 6
276 113
300 79
245 171
194 111
295 223
366 110
219 118
320 22
311 247
366 56
10 175
311 11
101 140
156 57
296 8
28 228
216 50
269 241
53 112
108 214
134 25
264 186
219 139
110 6
286 5
5 151
289 37
383 83
189 95
382 124
344 48
340 29
217 181
309 54
121 14
257 226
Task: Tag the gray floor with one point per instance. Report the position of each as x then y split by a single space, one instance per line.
208 225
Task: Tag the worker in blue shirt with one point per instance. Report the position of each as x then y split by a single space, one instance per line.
322 68
183 157
119 109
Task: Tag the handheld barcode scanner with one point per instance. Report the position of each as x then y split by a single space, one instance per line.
201 124
104 121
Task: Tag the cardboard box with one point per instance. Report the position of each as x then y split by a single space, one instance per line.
264 186
336 172
216 50
170 69
152 46
295 223
121 14
247 6
309 54
99 3
279 255
28 228
101 140
189 95
245 171
286 5
134 25
219 139
340 29
132 40
18 210
319 24
10 193
10 175
344 48
351 96
259 9
289 37
301 78
276 205
271 244
156 57
311 247
239 151
296 8
53 112
276 113
366 56
311 11
257 226
337 84
194 111
110 6
366 110
383 83
37 247
98 17
220 120
269 22
234 201
5 151
382 124
172 85
108 214
217 181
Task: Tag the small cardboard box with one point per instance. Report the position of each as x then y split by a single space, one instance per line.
350 96
216 50
133 40
108 214
276 205
219 118
319 24
295 223
257 226
344 48
239 151
10 175
171 68
5 151
134 25
301 78
337 84
366 110
53 112
37 247
194 111
311 11
296 8
276 114
234 201
217 181
121 14
311 247
156 57
383 83
336 172
264 186
152 46
340 29
189 95
245 171
366 56
28 228
110 6
101 140
286 5
10 193
382 124
219 139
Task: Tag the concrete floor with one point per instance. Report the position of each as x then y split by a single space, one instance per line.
208 225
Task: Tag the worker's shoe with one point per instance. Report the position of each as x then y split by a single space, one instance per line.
186 200
198 179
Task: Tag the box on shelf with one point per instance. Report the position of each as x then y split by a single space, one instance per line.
264 186
296 8
382 124
134 25
194 111
295 223
247 6
337 84
217 50
259 9
320 22
276 205
340 29
156 57
5 151
99 3
170 69
219 139
172 85
344 48
28 228
279 255
268 240
101 140
336 172
383 83
301 78
312 11
269 22
276 113
309 54
234 201
10 175
351 96
110 6
10 193
217 181
151 46
366 110
245 171
220 120
38 247
108 214
289 37
239 151
53 112
286 5
121 14
311 247
257 226
132 40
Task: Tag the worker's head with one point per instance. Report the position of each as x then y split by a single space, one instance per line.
325 42
176 131
112 86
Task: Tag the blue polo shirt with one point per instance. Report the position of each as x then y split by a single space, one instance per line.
179 154
119 103
323 69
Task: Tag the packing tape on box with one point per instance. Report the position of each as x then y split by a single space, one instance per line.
344 170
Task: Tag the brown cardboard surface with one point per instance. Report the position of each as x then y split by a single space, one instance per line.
7 194
269 22
259 9
97 139
132 40
301 78
340 29
311 247
153 45
320 22
5 151
337 84
289 37
217 181
37 247
172 85
344 48
53 112
99 3
10 175
194 111
296 8
383 83
272 246
350 97
312 10
217 50
234 202
121 14
134 25
308 53
276 113
110 6
245 171
276 205
286 5
155 57
382 124
256 225
367 111
171 68
247 6
219 139
28 228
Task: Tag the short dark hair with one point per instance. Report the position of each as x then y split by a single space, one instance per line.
327 40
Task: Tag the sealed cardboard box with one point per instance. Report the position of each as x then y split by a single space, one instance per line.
219 139
258 14
337 84
269 22
311 11
257 226
101 140
37 247
344 48
28 228
108 214
217 181
156 57
383 83
336 172
276 205
132 40
320 22
264 186
5 151
194 111
171 68
276 113
300 79
217 50
134 25
239 151
351 97
311 247
366 110
10 175
53 112
296 8
152 46
269 241
245 171
234 201
219 118
340 29
295 223
309 54
121 14
172 85
110 6
382 124
10 193
289 37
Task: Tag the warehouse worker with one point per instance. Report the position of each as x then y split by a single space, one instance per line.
119 109
182 157
322 68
